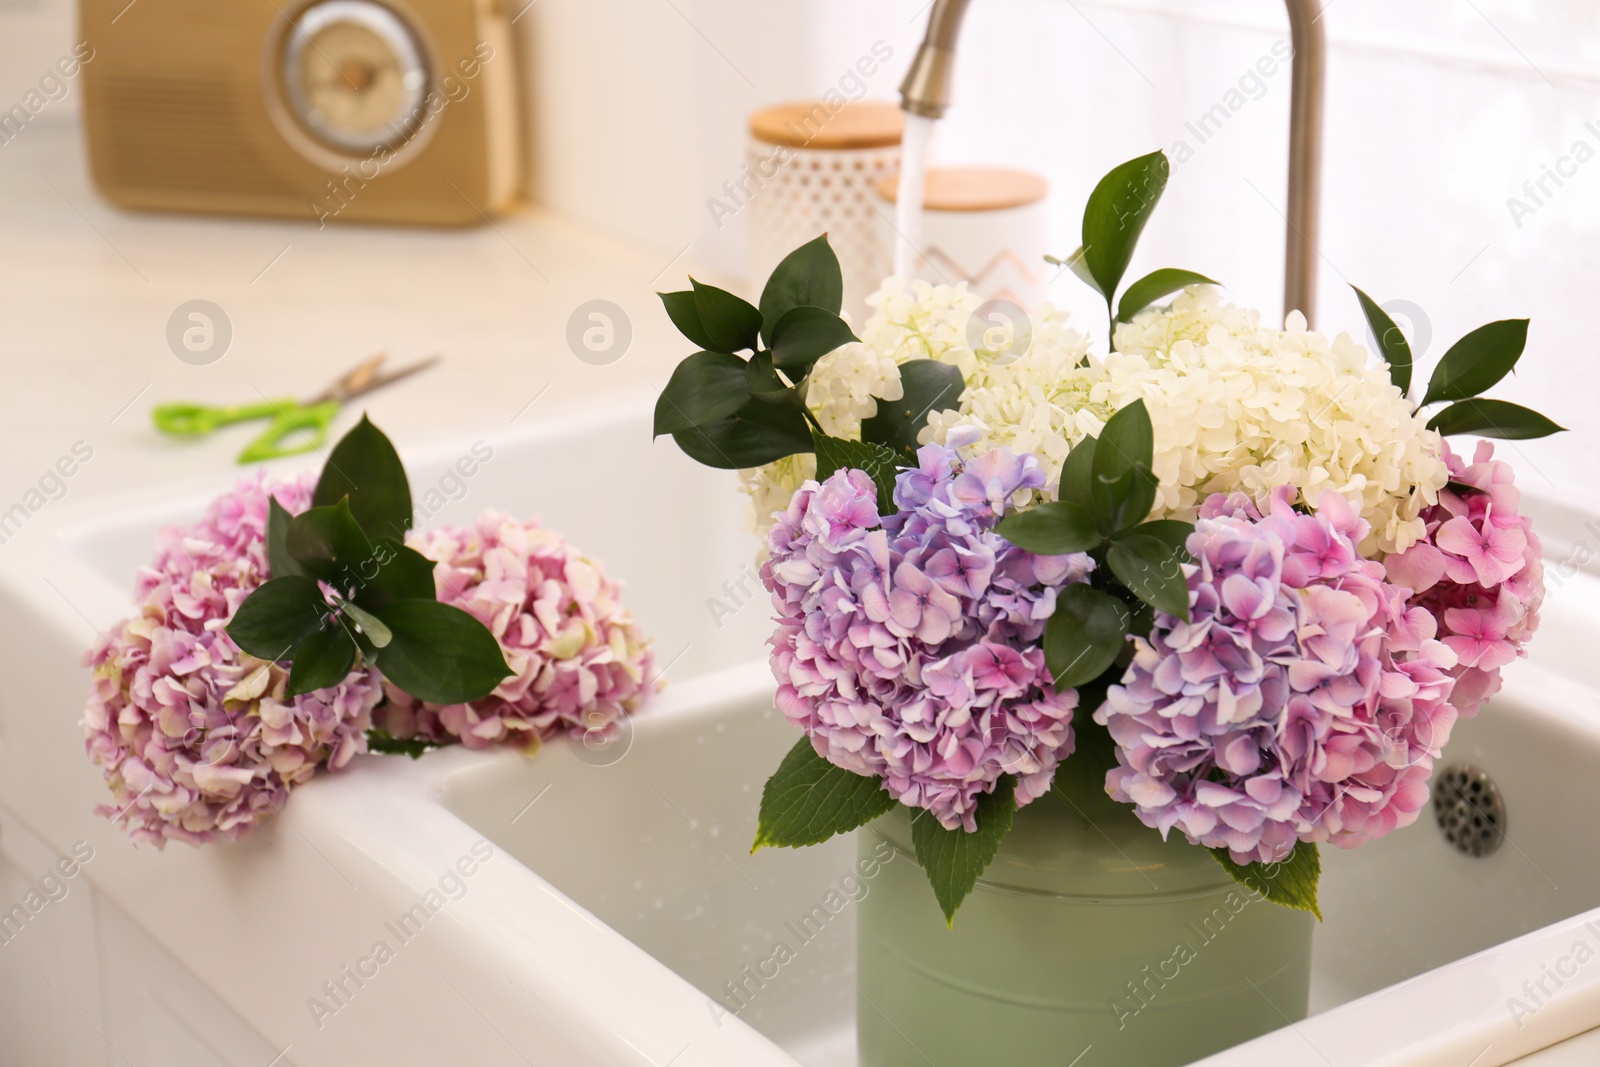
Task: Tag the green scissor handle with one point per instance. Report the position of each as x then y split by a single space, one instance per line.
287 422
197 420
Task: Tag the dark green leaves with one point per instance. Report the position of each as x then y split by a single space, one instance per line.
758 433
733 413
365 467
1116 215
806 334
927 386
439 653
381 602
1392 344
684 311
1478 361
1291 882
809 800
1474 364
1122 486
704 388
733 324
277 617
322 658
279 563
1053 529
1493 418
326 541
808 277
1153 286
1084 635
1153 571
878 462
954 859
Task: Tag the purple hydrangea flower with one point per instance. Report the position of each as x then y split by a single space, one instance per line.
908 648
1303 700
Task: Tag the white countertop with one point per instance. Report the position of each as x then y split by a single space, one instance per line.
86 291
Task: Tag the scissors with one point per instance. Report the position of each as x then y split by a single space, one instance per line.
287 417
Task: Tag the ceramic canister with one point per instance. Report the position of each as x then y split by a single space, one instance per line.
812 170
985 226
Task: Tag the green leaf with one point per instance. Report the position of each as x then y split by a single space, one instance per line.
277 616
1053 529
1493 418
809 800
382 742
927 385
1078 264
1477 361
1392 344
683 310
765 383
279 563
1155 285
705 387
1077 474
732 323
1291 882
806 334
322 658
1084 635
834 453
395 573
365 467
1116 215
328 543
1170 532
757 433
1123 488
1153 571
808 277
439 653
367 630
955 859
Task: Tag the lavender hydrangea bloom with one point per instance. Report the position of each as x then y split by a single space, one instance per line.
1303 700
199 741
908 648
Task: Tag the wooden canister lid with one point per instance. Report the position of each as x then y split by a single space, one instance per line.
973 188
811 124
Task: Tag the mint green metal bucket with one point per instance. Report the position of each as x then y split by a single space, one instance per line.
1088 937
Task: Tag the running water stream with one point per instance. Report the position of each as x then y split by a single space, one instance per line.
908 200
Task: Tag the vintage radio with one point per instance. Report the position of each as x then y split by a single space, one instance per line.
327 110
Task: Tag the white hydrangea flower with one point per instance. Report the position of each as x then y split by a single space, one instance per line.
1233 405
915 321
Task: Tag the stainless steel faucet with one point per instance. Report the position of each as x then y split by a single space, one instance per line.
926 91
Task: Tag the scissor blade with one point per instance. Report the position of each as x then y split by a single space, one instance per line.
366 378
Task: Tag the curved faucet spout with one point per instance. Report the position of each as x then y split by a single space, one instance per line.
926 89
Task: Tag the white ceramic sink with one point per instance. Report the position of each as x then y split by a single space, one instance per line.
619 898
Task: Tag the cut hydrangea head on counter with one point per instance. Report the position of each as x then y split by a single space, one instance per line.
293 628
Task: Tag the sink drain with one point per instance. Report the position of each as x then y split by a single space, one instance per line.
1470 810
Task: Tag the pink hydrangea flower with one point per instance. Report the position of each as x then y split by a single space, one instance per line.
197 739
1304 700
1479 571
908 650
580 663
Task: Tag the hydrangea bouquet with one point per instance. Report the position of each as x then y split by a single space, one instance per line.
297 625
1239 560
